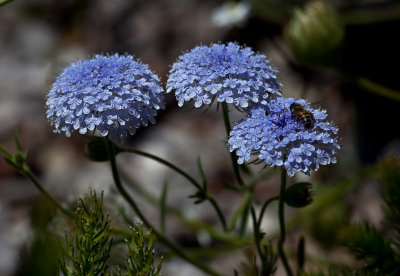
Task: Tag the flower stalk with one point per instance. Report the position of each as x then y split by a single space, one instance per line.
282 236
132 203
28 174
201 189
228 128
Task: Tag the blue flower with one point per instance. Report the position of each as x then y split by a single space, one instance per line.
273 135
225 72
105 95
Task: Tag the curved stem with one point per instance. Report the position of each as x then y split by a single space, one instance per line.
132 203
185 175
240 211
4 2
263 208
282 236
365 83
256 235
219 212
244 219
365 14
166 163
195 225
67 212
377 88
266 173
362 82
26 171
228 129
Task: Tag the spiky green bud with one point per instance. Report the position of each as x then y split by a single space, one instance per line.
315 33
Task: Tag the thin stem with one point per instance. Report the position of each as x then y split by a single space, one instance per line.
228 129
244 219
210 252
239 211
282 236
365 14
163 200
256 235
185 175
266 173
300 256
4 2
367 84
376 88
219 212
195 225
209 197
165 162
263 208
26 171
132 203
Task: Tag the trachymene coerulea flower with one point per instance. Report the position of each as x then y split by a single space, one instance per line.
109 95
225 72
273 135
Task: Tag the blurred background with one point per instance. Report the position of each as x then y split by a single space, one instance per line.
341 55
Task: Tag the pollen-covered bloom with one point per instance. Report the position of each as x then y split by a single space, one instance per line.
277 137
226 72
106 95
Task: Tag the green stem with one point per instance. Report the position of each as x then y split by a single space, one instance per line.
282 236
166 163
132 203
121 232
211 252
228 129
219 212
3 2
163 200
369 15
195 225
185 175
300 256
257 237
244 219
366 84
26 171
263 208
266 173
363 82
239 211
376 88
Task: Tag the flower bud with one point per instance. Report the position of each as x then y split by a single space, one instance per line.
96 149
315 33
299 195
20 159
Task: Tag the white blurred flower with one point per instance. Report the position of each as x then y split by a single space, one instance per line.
230 14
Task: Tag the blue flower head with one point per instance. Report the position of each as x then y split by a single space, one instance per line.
279 138
106 95
225 72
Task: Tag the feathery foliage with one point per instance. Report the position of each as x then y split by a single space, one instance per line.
89 254
380 252
140 259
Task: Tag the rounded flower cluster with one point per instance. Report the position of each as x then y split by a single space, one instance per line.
277 137
106 95
225 72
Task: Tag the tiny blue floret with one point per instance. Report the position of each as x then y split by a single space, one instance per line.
273 135
224 72
106 95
